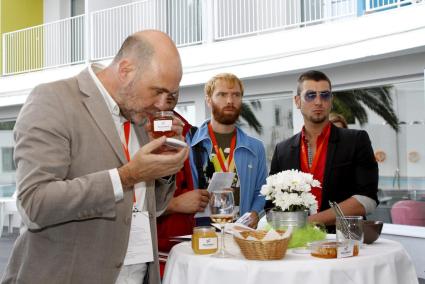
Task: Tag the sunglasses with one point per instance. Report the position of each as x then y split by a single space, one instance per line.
310 96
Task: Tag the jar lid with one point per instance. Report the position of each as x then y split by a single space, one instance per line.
204 229
329 244
164 113
324 244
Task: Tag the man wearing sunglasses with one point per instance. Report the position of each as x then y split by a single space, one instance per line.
341 159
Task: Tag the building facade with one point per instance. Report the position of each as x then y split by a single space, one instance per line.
268 43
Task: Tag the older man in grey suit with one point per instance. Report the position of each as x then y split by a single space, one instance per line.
75 185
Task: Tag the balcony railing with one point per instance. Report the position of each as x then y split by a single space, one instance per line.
50 45
110 27
179 18
78 39
245 17
379 5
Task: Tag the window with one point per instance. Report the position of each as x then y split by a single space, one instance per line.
187 110
184 18
401 156
275 128
7 165
7 159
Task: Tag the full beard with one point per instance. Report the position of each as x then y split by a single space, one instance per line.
225 118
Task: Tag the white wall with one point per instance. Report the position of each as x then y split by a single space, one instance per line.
195 94
56 10
59 9
95 5
9 113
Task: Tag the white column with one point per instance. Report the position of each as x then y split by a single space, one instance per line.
208 21
87 32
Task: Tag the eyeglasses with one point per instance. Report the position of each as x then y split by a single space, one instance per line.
310 96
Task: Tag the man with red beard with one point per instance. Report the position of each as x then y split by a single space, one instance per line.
221 146
341 159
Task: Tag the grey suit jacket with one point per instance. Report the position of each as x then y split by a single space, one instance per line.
66 142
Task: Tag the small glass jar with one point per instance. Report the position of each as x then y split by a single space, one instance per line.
332 249
324 249
204 240
162 122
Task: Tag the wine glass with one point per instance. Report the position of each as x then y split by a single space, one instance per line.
222 204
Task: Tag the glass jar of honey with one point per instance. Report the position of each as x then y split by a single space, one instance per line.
162 122
331 249
204 240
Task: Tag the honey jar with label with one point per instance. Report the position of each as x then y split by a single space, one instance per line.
331 249
204 240
161 123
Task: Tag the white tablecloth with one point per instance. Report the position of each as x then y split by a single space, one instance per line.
384 262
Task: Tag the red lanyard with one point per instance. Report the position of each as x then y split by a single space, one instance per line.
220 157
126 126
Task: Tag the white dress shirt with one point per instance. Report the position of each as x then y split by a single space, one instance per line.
129 273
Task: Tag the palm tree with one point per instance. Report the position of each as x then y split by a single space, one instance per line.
248 115
350 104
7 125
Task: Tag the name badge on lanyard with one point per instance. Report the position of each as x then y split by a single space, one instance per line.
139 248
140 243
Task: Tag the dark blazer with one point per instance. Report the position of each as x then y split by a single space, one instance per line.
351 168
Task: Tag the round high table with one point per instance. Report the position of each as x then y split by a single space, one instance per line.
383 262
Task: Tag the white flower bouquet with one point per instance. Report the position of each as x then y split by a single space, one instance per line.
290 191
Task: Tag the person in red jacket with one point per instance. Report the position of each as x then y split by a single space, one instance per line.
178 219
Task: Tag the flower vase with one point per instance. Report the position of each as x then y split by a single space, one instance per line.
280 220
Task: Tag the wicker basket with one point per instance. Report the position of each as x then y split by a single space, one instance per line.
262 250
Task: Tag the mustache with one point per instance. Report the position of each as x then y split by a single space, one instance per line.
229 108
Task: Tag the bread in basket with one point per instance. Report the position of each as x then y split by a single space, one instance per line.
255 245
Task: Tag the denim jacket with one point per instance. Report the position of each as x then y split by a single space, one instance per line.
250 162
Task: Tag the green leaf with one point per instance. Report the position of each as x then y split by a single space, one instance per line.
351 104
248 115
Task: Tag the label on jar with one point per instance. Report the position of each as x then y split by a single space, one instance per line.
346 250
207 243
162 125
